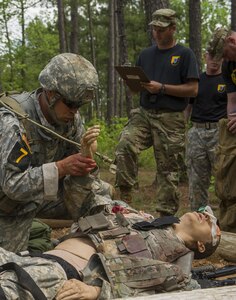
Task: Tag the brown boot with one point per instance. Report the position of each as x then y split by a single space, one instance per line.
126 194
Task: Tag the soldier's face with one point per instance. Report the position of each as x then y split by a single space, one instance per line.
163 35
213 64
229 52
63 112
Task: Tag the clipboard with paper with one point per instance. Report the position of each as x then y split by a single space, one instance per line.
133 76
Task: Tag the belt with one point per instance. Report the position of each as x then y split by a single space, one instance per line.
158 111
206 125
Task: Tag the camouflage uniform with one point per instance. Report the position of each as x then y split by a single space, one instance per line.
142 268
226 151
148 128
29 182
207 109
47 274
200 159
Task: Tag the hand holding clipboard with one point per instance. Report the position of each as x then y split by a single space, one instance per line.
133 76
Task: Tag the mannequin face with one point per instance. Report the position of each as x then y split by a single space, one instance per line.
198 226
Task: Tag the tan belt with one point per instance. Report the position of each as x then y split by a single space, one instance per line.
206 125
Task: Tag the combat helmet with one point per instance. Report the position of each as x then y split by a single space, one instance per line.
72 76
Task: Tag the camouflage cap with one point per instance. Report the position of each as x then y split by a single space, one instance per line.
163 17
216 44
72 76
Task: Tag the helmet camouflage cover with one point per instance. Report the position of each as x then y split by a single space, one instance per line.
216 44
72 76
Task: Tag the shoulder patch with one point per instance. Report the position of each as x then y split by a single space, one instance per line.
20 155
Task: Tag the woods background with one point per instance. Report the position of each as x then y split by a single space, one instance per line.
107 33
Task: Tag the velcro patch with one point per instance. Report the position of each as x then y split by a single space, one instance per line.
20 155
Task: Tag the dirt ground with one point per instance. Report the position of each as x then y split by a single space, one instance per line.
144 199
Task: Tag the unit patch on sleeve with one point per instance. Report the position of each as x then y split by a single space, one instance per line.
20 155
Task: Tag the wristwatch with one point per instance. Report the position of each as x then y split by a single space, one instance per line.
162 89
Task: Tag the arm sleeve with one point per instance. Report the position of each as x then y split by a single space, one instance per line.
230 85
190 66
18 180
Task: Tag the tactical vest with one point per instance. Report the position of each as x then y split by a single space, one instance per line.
132 261
114 234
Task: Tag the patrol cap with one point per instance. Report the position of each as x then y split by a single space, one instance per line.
72 76
163 17
216 44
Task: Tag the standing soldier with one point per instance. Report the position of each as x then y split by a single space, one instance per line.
207 109
159 121
223 44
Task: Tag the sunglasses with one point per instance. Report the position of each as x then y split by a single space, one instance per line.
86 97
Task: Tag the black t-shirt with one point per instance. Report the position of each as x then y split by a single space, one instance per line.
210 105
170 66
229 75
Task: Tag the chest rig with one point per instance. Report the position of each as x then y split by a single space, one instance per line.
114 234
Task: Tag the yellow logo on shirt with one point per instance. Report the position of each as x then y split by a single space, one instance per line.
175 60
233 76
221 88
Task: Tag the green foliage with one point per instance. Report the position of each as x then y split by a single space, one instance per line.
109 138
42 40
42 44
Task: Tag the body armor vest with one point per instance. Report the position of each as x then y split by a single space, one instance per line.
133 262
114 234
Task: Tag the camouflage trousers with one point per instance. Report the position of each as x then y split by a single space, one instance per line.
200 158
47 274
224 180
165 132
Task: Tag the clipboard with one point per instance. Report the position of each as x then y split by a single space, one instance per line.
132 77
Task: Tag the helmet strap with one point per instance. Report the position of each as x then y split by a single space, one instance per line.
51 104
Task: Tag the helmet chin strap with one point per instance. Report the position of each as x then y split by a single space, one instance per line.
51 103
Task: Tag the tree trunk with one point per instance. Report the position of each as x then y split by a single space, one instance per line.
123 50
111 72
22 22
195 29
74 36
93 55
9 42
226 248
61 27
150 6
233 15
